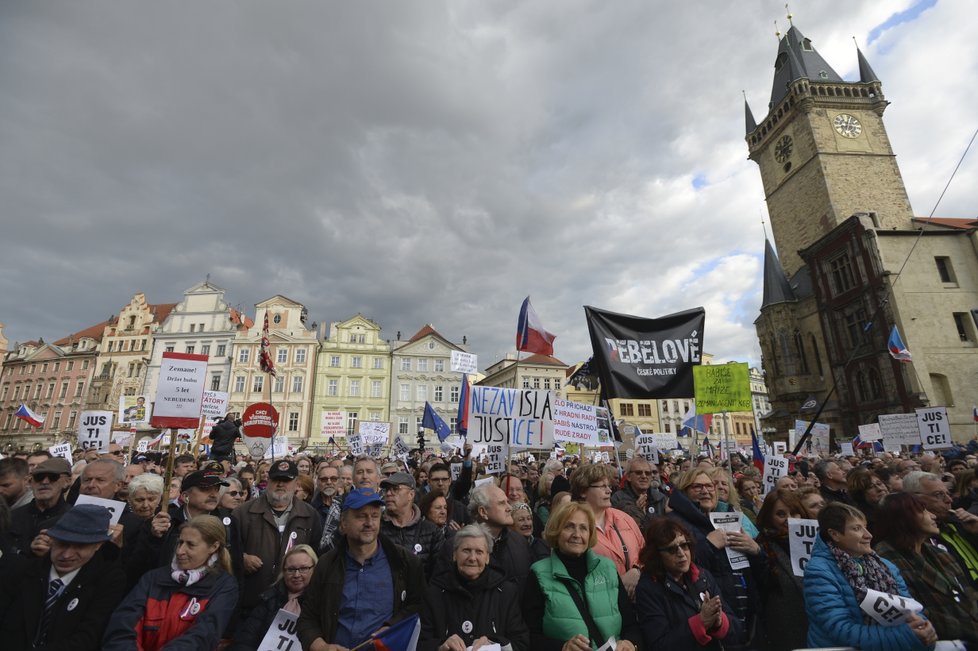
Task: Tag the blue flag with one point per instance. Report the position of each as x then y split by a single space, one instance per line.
432 420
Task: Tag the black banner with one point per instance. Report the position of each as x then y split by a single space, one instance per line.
639 358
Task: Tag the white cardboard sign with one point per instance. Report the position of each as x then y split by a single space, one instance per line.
497 459
870 432
645 445
575 422
464 362
519 418
281 635
934 427
889 609
214 404
801 539
845 447
62 450
899 429
114 506
180 390
374 432
356 444
400 448
775 467
94 430
730 521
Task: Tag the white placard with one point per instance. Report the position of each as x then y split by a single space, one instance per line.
214 404
179 390
775 467
934 428
575 422
143 445
801 539
278 449
665 440
645 446
845 447
820 434
610 645
374 432
889 609
447 448
870 432
520 418
730 521
356 444
115 507
484 481
332 425
456 470
122 438
62 450
94 430
899 429
281 635
464 362
400 448
496 465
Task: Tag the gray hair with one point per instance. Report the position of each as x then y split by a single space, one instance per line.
118 470
230 480
472 531
479 499
911 481
148 482
637 461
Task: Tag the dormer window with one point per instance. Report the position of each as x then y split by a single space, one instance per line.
807 45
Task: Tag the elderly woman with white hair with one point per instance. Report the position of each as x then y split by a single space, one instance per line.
473 604
144 494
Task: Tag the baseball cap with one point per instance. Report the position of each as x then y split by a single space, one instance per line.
398 479
53 466
211 474
361 497
283 470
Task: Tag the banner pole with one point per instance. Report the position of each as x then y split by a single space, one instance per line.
169 465
200 431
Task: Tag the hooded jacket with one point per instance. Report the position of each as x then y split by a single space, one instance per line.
488 606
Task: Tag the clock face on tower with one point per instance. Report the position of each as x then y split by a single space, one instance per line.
847 125
782 150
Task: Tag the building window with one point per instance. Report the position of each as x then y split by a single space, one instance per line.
405 363
356 361
536 383
961 324
453 423
378 363
334 361
945 270
526 383
351 421
354 388
627 409
297 384
243 355
111 346
439 393
200 327
644 409
72 417
454 392
376 389
62 395
546 383
239 384
79 389
205 349
282 355
293 421
421 392
332 387
215 381
417 424
402 425
44 367
258 383
439 366
56 425
193 327
221 350
300 356
423 365
854 325
37 391
841 270
190 349
405 392
279 385
668 428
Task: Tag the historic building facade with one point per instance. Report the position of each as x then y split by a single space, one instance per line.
421 372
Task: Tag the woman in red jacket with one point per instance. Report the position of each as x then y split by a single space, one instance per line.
185 606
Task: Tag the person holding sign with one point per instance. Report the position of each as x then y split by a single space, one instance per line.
677 602
186 604
574 600
842 570
905 527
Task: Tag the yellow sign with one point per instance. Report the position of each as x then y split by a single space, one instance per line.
721 387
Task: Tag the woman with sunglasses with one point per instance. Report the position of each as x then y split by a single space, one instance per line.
285 594
232 495
678 603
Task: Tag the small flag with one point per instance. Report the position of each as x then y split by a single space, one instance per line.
265 357
898 350
24 413
758 456
810 404
698 423
530 335
707 447
432 420
402 636
157 440
974 413
463 407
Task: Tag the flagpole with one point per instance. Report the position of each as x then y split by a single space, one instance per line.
169 465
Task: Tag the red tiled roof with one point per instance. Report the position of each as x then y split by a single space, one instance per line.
93 332
543 360
162 310
948 222
428 329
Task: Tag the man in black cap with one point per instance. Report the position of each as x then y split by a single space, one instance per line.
271 525
350 595
48 481
402 521
66 601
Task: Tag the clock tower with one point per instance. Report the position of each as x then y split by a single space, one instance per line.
823 151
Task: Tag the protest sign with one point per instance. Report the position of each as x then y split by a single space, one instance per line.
142 446
496 464
519 418
456 470
279 448
934 428
820 434
899 429
259 422
645 446
332 425
801 539
447 448
665 440
483 481
889 609
281 635
870 432
775 467
722 387
180 390
575 422
400 448
355 442
62 450
464 362
133 409
214 404
730 521
115 507
374 432
94 430
845 447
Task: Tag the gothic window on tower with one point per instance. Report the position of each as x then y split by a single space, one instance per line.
840 268
818 356
854 321
788 356
800 346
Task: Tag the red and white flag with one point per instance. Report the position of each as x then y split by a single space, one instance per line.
265 357
530 335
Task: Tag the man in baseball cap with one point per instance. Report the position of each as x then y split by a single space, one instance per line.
69 595
48 481
402 521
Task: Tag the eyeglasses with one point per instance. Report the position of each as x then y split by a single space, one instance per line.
48 476
391 489
701 487
117 453
327 480
674 550
439 480
298 570
600 486
643 473
235 493
389 473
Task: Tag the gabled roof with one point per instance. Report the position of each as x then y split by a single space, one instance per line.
270 301
428 329
162 310
777 289
797 59
542 360
92 332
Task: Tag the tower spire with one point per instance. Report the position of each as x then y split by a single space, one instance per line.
749 122
866 73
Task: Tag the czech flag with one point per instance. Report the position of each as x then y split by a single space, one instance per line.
530 335
898 350
25 414
432 420
699 423
402 636
463 407
758 459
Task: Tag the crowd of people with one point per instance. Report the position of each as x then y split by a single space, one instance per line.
560 555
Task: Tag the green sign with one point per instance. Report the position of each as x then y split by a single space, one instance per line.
721 387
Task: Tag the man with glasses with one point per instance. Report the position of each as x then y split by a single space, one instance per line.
115 452
402 522
640 497
48 481
326 501
958 528
440 482
389 469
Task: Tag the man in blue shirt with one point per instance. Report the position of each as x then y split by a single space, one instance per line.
364 584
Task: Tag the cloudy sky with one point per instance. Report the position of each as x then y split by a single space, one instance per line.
430 161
